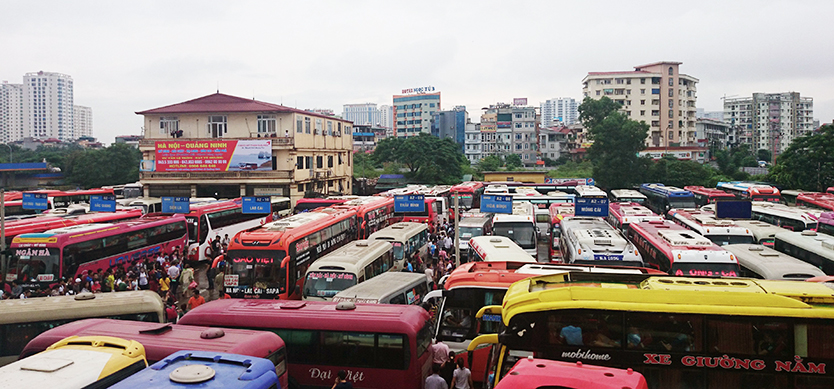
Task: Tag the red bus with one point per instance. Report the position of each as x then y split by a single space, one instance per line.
621 214
56 199
373 213
468 194
379 345
433 213
309 204
751 191
558 211
679 251
270 261
816 200
543 373
43 223
40 260
162 340
219 218
704 196
830 190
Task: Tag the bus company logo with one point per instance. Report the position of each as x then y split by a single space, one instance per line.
732 363
327 375
149 252
31 252
302 245
587 355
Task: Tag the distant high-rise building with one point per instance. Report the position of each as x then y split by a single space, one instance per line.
366 114
450 124
559 111
82 121
770 121
656 94
47 106
412 113
11 112
510 129
387 117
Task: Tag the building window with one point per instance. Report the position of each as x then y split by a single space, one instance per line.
299 162
642 91
671 82
299 125
671 71
319 127
306 125
671 103
308 162
329 161
642 113
330 128
642 102
671 113
217 126
301 187
671 93
597 93
168 125
319 162
266 123
642 80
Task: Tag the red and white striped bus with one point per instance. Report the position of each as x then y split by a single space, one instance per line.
55 199
678 251
621 214
720 231
558 211
40 260
380 346
544 373
704 196
309 204
219 218
43 223
751 191
373 213
468 194
269 261
816 200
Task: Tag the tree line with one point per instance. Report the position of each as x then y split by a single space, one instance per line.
82 167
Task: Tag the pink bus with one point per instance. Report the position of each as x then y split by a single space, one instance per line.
41 259
621 214
379 345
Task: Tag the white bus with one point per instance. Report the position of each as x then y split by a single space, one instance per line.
720 231
497 248
349 265
389 288
816 249
590 192
592 241
408 239
763 233
473 226
627 196
792 218
757 261
497 189
520 226
21 320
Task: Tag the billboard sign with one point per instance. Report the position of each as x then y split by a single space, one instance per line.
35 201
409 203
176 205
732 209
422 89
496 204
520 101
256 204
103 203
596 207
213 155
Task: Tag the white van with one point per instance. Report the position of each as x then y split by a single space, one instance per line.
388 288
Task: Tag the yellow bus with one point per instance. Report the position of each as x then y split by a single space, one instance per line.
678 332
88 362
21 320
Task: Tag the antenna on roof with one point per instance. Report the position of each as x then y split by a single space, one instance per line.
218 86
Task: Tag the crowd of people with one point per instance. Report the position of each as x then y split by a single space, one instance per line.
440 259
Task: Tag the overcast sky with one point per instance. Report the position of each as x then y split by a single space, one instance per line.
131 56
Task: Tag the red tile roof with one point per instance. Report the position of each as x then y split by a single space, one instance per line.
221 103
619 72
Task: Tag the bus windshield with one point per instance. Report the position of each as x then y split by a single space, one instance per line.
723 240
327 283
465 200
459 309
524 234
31 262
258 269
681 203
471 232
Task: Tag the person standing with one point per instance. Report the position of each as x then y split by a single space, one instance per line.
341 381
174 274
196 300
435 381
447 371
462 377
439 352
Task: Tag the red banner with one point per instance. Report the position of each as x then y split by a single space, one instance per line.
213 155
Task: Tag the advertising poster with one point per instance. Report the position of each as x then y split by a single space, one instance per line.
213 155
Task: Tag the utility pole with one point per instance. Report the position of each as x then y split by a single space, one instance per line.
457 229
3 259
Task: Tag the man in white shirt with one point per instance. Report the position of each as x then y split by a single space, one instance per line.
429 272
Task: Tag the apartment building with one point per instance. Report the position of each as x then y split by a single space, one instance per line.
770 121
450 124
656 94
11 112
558 111
47 106
412 112
366 114
510 129
82 121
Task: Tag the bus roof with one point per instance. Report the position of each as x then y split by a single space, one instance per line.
594 233
772 264
350 255
367 200
84 230
760 229
666 191
467 186
161 340
711 192
381 286
474 221
544 373
635 211
627 193
398 232
589 190
500 248
313 315
733 297
674 236
705 223
820 244
80 306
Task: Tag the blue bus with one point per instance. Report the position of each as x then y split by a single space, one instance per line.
662 198
205 370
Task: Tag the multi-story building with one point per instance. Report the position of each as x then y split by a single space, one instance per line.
553 142
366 137
47 106
450 124
514 128
715 134
559 111
11 112
130 140
771 121
82 121
656 94
243 147
472 142
386 113
412 113
366 114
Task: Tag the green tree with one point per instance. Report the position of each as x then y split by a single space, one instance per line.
114 165
617 140
808 163
513 162
671 171
428 159
364 165
764 155
490 163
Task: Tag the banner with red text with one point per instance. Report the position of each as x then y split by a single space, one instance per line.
213 155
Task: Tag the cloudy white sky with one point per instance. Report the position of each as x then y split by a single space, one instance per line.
128 56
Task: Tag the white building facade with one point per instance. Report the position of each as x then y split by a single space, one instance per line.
366 114
559 111
82 121
47 106
11 112
770 121
472 143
